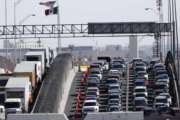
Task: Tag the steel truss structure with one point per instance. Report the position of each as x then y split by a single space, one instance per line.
83 30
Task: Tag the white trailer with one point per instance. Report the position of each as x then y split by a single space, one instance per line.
48 53
36 56
18 95
30 67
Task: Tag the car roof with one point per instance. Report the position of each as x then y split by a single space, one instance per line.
164 94
139 98
140 87
90 101
92 88
160 97
160 83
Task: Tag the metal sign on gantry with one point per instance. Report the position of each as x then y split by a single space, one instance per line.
84 30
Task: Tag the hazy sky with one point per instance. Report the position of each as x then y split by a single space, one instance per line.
84 11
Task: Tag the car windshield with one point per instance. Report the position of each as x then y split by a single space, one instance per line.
140 103
91 93
112 81
114 97
140 90
140 95
162 72
92 90
88 110
92 78
140 83
90 104
113 87
161 100
114 102
141 74
91 98
94 72
93 75
12 105
160 86
92 84
140 69
114 109
140 64
117 66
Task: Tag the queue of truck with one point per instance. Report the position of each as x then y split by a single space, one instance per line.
19 89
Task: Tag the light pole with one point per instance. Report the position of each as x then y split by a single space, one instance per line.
20 23
59 27
5 20
16 3
160 39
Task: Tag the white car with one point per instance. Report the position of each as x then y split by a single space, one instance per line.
167 96
93 89
142 74
161 101
13 105
140 90
90 106
140 103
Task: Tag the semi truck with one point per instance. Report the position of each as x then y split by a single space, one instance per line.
48 55
36 56
18 95
27 69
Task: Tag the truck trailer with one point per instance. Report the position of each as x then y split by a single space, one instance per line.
27 69
36 56
18 95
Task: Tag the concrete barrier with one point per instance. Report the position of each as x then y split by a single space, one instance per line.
37 117
115 116
52 89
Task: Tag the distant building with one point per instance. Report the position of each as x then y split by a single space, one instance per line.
79 50
113 48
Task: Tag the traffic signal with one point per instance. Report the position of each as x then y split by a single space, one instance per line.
51 11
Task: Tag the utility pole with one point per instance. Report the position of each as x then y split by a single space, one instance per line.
159 39
59 28
6 40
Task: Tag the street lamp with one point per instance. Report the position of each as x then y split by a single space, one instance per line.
16 3
161 40
20 23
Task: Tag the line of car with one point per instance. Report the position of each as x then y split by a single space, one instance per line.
140 93
160 84
109 75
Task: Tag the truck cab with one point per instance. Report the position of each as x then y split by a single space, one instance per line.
13 105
